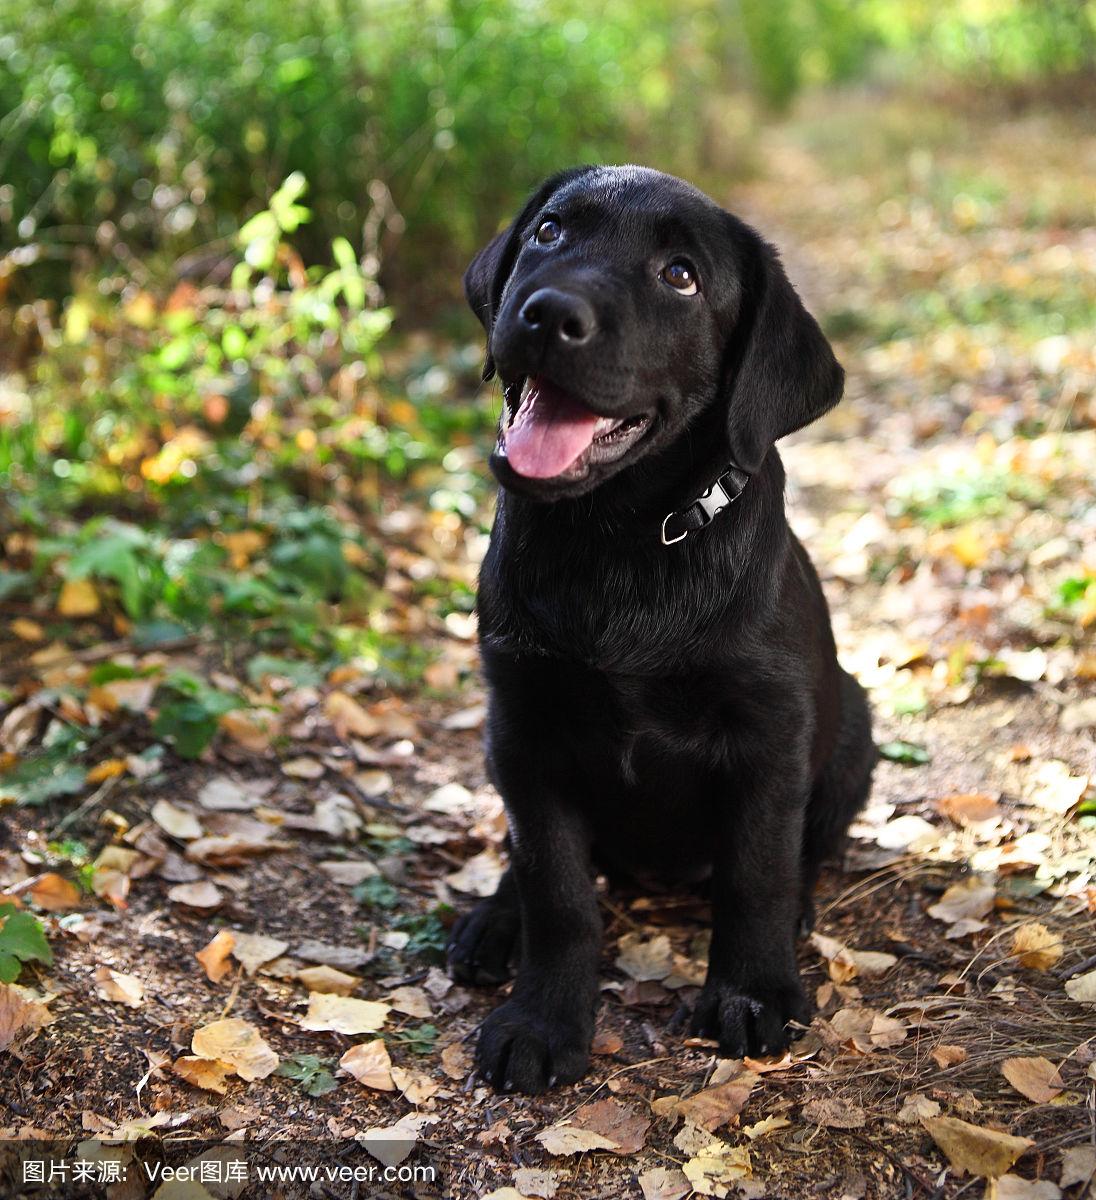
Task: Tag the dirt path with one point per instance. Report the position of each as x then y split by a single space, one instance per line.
954 628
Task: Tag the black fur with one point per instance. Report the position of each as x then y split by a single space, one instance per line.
658 712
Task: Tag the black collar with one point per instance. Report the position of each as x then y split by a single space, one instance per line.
677 525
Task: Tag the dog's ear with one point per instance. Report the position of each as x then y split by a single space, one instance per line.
784 374
485 279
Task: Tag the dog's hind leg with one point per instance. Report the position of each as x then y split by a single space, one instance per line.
484 940
839 793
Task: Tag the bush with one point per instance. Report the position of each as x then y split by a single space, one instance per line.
135 127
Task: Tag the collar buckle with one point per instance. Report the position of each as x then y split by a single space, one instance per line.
707 506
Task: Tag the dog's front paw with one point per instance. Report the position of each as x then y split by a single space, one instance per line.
482 943
749 1021
521 1050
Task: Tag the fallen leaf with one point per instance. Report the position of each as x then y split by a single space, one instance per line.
254 729
349 872
846 964
535 1181
867 1030
411 1001
645 959
834 1113
1036 1078
415 1087
562 1139
54 893
237 1043
766 1125
1083 988
1056 789
969 808
370 1064
1013 1187
21 1013
985 1152
717 1106
716 1169
111 768
621 1124
78 598
226 795
343 1014
119 988
252 950
916 1108
948 1056
206 1073
480 875
1078 1165
968 900
391 1144
343 957
348 718
664 1183
214 956
176 822
1036 947
303 768
456 1060
202 895
327 980
606 1043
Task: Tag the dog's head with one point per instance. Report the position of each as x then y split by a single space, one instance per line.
624 312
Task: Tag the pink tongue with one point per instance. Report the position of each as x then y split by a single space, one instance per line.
549 432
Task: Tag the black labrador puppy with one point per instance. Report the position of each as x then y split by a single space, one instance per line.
665 698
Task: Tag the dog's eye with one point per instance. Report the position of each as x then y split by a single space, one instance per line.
681 277
548 231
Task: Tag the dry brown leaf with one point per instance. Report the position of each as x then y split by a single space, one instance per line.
233 849
205 1073
968 900
1036 1078
766 1125
1078 1165
303 768
237 1043
21 1013
254 729
664 1183
348 718
252 950
480 875
349 872
916 1108
110 768
717 1168
969 808
411 1001
391 1144
948 1056
214 956
535 1181
867 1030
1013 1187
370 1064
834 1113
621 1124
1036 947
119 988
985 1152
645 959
327 980
846 963
222 794
563 1139
606 1043
456 1060
416 1087
1082 988
717 1106
176 822
78 598
54 893
202 895
343 1014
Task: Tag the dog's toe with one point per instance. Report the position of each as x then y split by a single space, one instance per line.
521 1051
754 1022
481 944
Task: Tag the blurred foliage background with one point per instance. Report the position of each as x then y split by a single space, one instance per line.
238 387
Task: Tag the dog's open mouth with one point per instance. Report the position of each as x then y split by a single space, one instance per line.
548 434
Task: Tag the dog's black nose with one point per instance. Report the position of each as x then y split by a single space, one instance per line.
560 315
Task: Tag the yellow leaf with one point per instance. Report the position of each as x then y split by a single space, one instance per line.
1036 1078
214 956
119 987
27 631
985 1152
370 1065
78 598
203 1072
237 1043
111 768
1036 947
343 1014
55 893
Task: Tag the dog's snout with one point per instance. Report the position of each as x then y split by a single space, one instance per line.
562 316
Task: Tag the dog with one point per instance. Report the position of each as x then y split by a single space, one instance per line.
665 701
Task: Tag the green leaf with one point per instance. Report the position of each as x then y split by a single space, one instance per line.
22 940
909 754
376 892
310 1071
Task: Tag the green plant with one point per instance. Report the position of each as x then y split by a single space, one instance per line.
188 718
310 1072
22 940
